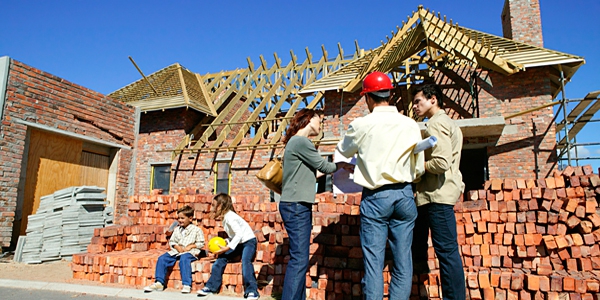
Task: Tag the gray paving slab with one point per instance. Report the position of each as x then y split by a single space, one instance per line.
107 291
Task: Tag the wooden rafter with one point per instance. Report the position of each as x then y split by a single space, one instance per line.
230 106
452 40
259 91
255 91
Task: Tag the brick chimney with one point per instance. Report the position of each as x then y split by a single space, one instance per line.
522 22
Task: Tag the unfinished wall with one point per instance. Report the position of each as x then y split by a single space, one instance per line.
159 131
526 145
528 141
522 21
48 101
340 110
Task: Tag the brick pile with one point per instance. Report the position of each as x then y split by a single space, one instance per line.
519 239
529 239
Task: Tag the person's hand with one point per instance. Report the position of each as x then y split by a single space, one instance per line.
346 166
170 229
223 250
178 248
349 167
189 247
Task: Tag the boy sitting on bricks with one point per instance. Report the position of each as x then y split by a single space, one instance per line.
186 243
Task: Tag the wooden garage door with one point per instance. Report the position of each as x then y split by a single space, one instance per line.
53 163
94 169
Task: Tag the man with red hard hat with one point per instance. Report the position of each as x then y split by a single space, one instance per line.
385 168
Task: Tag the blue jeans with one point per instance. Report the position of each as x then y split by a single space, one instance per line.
388 209
442 222
248 250
297 219
166 261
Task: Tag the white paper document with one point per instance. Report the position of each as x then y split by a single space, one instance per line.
425 144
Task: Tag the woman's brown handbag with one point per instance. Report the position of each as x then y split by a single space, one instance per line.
271 175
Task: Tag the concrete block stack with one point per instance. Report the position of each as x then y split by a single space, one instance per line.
64 223
519 239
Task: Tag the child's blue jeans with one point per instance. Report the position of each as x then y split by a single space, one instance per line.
166 261
248 249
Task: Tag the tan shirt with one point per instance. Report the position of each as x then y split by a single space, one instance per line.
442 182
183 237
384 141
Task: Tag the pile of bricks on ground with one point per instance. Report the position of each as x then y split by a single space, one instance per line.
519 239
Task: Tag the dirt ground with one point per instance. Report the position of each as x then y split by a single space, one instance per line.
55 271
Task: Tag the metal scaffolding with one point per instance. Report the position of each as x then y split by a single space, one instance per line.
572 123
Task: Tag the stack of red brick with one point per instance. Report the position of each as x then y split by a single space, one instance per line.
520 239
530 239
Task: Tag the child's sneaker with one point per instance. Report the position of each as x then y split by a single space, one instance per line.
157 286
204 291
252 296
186 289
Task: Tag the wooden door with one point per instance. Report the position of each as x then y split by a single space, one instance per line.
94 169
52 164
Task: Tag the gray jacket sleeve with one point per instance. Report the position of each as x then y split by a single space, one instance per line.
311 157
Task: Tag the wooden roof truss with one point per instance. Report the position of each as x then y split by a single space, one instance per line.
171 87
427 41
255 104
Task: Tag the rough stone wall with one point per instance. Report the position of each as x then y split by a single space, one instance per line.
38 97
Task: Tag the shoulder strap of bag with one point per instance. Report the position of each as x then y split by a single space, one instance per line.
281 151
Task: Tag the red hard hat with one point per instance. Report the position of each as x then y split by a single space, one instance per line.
376 82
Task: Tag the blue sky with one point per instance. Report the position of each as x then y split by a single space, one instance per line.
88 42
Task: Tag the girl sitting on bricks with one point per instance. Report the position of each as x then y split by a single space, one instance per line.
241 240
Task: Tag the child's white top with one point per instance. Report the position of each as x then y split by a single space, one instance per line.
237 229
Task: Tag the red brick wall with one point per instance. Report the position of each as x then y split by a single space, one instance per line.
529 139
244 166
159 131
511 155
521 21
163 130
35 96
352 106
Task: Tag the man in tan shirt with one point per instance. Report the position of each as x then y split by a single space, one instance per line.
385 168
437 192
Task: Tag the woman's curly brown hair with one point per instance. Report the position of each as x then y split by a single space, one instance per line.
299 121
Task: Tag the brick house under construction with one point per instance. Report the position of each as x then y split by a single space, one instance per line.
213 132
184 132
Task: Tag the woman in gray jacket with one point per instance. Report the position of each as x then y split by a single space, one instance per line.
301 161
